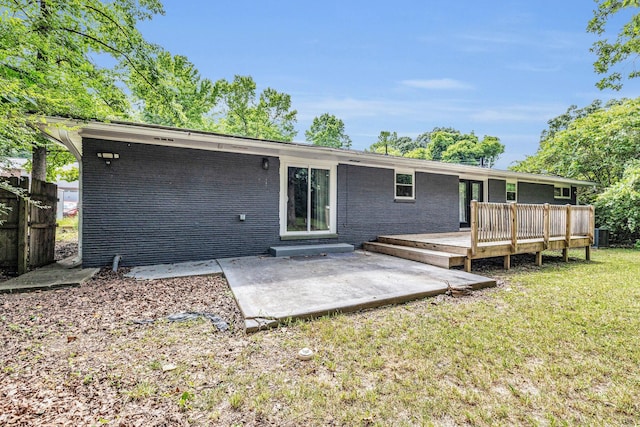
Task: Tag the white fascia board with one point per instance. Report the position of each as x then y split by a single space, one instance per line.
74 131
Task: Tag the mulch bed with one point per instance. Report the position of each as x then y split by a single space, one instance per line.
84 336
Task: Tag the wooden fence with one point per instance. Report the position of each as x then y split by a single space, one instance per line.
514 223
27 232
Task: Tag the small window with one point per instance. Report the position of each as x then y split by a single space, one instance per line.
562 192
404 185
512 192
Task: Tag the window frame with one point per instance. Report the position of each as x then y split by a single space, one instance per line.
285 164
561 188
412 173
515 191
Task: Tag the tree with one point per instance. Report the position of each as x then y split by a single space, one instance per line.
189 100
389 143
47 67
594 147
627 44
328 130
267 117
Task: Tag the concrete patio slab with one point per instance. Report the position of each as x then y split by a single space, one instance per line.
49 277
270 290
182 269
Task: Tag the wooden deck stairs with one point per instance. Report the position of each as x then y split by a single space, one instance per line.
407 249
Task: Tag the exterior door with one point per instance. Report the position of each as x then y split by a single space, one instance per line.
468 191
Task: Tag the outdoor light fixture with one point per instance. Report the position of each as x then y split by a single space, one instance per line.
265 163
108 157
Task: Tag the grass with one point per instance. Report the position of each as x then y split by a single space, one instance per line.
67 229
556 346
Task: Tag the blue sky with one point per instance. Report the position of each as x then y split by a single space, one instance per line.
500 68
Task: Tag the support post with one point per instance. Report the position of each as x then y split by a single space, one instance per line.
467 264
514 226
539 259
565 254
507 262
567 234
587 253
474 226
592 224
546 232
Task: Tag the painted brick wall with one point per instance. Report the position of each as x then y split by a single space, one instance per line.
161 204
497 191
535 193
366 205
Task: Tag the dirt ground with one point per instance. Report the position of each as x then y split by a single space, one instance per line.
90 355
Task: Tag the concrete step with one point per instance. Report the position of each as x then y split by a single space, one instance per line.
305 250
426 256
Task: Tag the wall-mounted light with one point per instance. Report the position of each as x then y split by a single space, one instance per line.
265 163
108 157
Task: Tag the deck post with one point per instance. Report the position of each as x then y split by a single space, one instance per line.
587 253
567 236
546 232
474 226
592 224
565 254
514 226
467 264
539 259
507 262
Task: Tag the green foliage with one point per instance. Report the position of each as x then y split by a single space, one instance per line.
595 146
626 45
618 207
269 116
191 98
442 144
328 130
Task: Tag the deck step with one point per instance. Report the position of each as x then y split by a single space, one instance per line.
426 256
306 250
452 246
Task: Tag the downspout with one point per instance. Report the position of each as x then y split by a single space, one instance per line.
116 261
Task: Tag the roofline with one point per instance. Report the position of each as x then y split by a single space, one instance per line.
70 133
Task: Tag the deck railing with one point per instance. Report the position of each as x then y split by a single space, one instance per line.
513 222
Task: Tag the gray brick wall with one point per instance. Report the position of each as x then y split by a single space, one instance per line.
366 205
161 204
497 191
535 193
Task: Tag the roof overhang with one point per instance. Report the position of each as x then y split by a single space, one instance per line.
71 132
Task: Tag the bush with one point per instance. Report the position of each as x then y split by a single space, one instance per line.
618 207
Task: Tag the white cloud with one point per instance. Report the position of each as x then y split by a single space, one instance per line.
437 84
517 113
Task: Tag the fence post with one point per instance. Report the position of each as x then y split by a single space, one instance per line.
514 226
546 232
23 235
474 226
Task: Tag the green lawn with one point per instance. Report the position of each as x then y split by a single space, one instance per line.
558 345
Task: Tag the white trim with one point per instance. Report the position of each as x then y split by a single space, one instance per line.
71 132
413 184
562 187
285 163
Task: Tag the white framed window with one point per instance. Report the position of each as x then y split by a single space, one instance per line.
512 191
308 195
405 185
562 192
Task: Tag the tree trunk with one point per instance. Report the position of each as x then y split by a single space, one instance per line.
39 163
39 153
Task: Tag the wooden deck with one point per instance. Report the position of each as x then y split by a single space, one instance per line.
530 228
